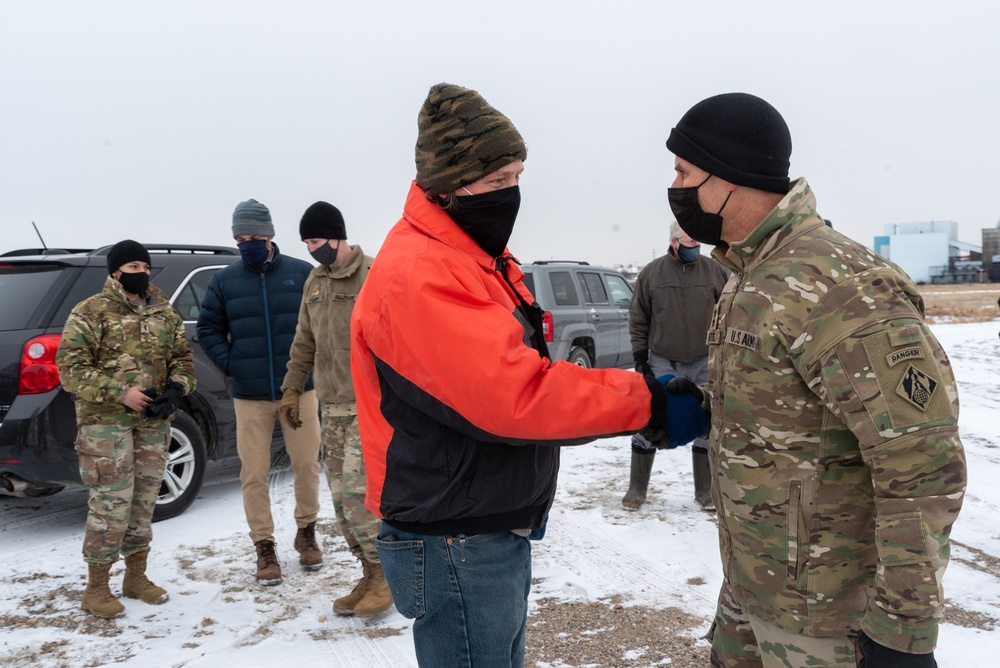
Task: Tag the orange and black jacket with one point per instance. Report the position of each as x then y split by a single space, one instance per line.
461 413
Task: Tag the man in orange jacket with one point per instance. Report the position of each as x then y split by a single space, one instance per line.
460 409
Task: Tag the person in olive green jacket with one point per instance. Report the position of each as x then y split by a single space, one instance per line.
124 356
322 345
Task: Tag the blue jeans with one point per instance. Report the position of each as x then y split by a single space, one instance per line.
467 595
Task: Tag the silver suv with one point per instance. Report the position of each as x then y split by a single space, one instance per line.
586 312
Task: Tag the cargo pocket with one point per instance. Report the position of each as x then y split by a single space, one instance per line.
95 449
403 566
906 581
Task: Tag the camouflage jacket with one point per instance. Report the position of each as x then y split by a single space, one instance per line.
109 345
322 341
835 447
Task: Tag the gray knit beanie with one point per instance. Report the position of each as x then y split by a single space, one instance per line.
252 217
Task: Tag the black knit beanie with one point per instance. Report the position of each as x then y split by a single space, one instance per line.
124 252
739 138
461 138
322 220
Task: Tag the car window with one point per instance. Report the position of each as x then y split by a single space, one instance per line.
621 293
593 288
23 288
188 299
563 289
529 282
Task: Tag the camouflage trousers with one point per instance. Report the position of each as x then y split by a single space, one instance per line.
123 465
345 473
741 640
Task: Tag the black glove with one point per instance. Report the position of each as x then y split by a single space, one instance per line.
166 403
682 385
641 358
874 655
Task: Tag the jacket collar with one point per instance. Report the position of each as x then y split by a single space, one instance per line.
777 228
114 291
435 222
349 268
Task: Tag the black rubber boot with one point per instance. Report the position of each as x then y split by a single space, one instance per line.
638 480
702 479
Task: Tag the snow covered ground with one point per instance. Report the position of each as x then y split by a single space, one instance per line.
665 555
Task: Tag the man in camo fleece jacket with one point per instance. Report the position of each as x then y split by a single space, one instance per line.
838 470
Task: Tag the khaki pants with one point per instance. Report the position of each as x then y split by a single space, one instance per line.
740 640
254 428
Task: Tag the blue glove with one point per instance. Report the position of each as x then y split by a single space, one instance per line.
875 655
686 419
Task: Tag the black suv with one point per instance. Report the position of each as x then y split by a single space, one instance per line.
38 289
586 312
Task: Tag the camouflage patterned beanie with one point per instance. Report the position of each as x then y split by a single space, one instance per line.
737 137
461 138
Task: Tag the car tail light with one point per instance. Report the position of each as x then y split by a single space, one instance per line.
547 326
38 372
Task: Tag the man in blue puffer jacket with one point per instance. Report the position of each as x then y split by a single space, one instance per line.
246 326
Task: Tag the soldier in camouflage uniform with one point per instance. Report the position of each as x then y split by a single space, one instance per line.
124 357
322 345
838 469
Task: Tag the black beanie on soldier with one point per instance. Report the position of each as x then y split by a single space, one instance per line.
124 252
739 138
322 220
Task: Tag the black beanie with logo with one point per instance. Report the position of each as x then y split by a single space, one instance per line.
739 138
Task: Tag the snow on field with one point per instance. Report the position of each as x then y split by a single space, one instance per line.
664 555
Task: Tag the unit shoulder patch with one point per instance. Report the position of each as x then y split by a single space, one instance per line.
917 387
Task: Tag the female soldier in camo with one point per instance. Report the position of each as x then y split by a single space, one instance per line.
124 356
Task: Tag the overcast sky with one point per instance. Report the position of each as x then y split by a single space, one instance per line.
152 120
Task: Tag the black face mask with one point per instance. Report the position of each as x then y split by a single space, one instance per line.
326 254
488 217
136 283
701 226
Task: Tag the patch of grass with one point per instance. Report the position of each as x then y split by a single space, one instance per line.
961 302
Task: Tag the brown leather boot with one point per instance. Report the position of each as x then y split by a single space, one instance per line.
97 597
638 480
137 585
344 606
268 568
377 599
310 556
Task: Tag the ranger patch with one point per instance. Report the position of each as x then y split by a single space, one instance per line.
741 338
898 356
917 388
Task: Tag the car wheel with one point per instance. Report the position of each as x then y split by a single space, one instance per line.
186 461
579 357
